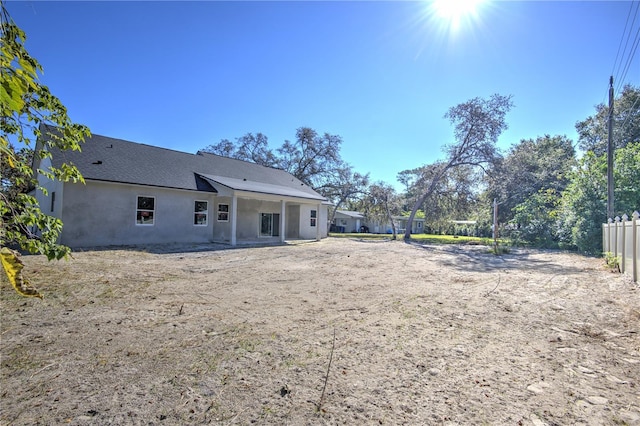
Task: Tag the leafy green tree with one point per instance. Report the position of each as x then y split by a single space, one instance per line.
626 177
453 198
584 205
477 125
28 108
344 186
584 200
593 131
381 203
535 219
529 167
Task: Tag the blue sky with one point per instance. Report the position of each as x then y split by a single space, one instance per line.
184 75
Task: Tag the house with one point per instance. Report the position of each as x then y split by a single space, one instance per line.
350 221
417 226
347 221
141 194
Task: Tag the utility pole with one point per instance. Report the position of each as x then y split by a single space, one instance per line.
610 209
495 224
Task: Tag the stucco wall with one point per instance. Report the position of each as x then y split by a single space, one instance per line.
293 221
99 214
221 229
249 216
54 191
308 232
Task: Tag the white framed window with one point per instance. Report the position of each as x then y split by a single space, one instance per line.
223 212
314 215
200 213
145 211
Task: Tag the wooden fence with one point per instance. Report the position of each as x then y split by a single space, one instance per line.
621 238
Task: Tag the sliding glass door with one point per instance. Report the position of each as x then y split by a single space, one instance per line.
269 224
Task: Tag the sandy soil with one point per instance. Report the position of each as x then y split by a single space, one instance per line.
331 332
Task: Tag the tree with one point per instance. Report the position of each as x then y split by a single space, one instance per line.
381 203
529 167
25 105
528 178
343 186
593 131
536 219
626 176
250 147
584 206
477 125
453 198
311 158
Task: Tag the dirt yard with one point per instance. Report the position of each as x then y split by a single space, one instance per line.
331 332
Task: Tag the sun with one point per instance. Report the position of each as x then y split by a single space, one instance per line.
454 12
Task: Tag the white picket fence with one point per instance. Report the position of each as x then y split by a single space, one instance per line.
621 238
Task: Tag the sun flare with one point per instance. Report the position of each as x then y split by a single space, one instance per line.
453 12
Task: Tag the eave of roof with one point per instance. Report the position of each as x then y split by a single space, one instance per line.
352 214
259 187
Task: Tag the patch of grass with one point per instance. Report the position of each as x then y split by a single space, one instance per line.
422 238
362 236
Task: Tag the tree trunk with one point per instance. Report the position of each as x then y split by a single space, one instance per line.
335 209
420 201
393 224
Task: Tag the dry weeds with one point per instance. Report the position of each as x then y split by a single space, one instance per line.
423 335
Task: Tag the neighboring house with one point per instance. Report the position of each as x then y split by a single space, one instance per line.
376 227
141 194
347 221
356 221
417 226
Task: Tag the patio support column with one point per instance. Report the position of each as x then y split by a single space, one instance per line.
282 221
318 221
234 218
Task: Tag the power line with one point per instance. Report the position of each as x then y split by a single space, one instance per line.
632 53
624 31
621 68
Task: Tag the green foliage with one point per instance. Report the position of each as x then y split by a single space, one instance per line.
584 206
593 131
28 109
422 238
477 124
550 199
529 167
626 176
535 219
499 249
612 261
380 204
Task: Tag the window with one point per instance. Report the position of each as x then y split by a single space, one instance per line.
145 211
269 224
201 210
223 212
314 214
53 201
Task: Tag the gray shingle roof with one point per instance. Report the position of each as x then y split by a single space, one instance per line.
351 214
116 160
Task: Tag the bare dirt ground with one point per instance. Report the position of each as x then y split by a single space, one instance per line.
398 333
